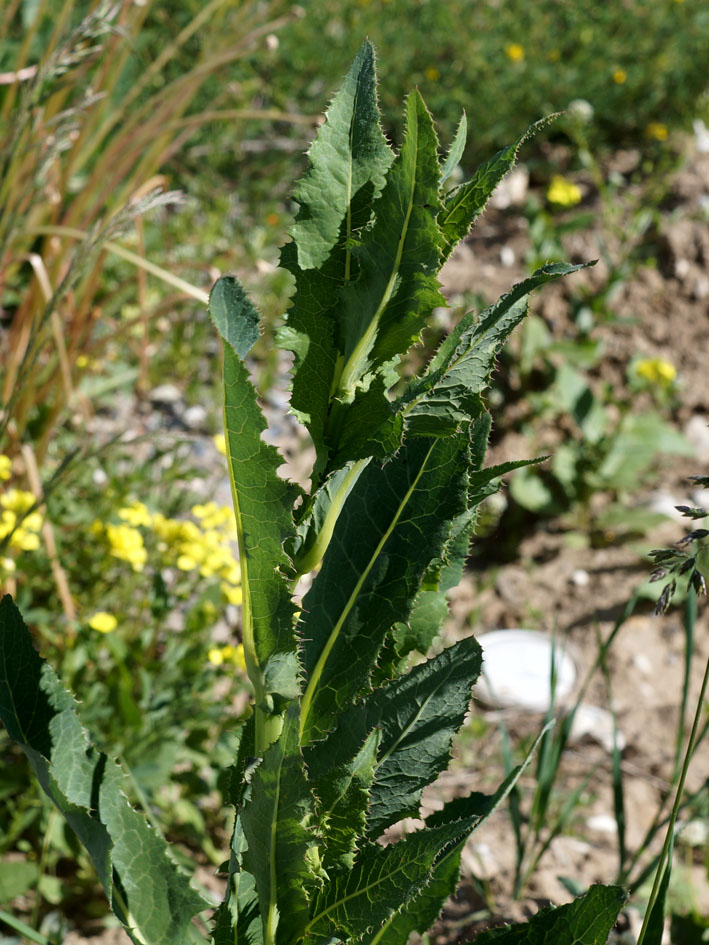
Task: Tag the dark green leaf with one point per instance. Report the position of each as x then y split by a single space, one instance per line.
587 921
154 900
263 506
464 204
373 568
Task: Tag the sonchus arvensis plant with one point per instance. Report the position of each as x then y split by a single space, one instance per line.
346 730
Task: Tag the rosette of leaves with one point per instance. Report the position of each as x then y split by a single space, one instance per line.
345 733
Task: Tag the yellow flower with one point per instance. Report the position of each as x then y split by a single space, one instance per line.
103 622
656 371
619 75
136 514
657 130
220 443
82 361
563 192
432 74
5 466
233 594
127 544
515 52
227 654
25 540
17 500
186 563
554 55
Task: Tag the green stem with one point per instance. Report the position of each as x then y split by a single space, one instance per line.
23 929
662 865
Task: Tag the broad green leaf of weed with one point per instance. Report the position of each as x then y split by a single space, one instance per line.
418 715
349 152
464 204
586 921
456 149
152 898
385 309
449 392
344 795
373 569
262 502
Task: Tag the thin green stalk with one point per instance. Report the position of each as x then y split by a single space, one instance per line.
24 929
690 619
669 836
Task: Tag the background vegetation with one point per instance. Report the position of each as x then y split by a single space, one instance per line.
147 148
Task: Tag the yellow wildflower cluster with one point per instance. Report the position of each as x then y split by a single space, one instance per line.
227 654
432 74
656 371
5 467
515 52
620 76
204 545
22 528
563 192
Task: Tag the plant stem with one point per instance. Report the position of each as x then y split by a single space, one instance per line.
662 865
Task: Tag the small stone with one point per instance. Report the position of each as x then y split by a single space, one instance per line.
580 577
512 190
195 417
591 721
697 432
602 823
166 394
507 256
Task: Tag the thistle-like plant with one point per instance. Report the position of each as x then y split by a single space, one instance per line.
345 732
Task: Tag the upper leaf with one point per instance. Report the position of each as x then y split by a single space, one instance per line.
449 392
349 152
464 204
152 898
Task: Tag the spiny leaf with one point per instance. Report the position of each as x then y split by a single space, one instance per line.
344 793
275 820
449 391
587 920
464 204
153 900
349 152
349 160
262 504
394 523
418 715
456 149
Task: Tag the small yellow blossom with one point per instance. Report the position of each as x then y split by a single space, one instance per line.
5 467
432 74
233 595
136 514
127 545
220 443
619 76
24 540
227 654
215 656
657 130
103 622
656 371
82 361
563 192
186 563
554 55
515 52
